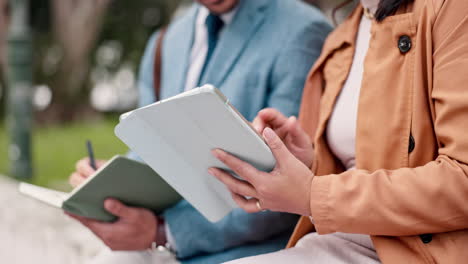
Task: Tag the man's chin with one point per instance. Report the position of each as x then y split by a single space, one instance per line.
219 6
213 2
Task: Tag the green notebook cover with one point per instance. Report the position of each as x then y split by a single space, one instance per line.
132 182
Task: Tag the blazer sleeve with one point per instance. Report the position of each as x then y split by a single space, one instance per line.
292 66
145 80
191 232
145 74
410 201
195 235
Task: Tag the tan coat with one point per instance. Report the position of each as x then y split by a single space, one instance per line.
411 138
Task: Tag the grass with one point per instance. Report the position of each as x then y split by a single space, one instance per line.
57 148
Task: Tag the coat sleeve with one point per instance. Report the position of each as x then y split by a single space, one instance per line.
410 201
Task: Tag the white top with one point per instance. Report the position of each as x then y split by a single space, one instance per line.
371 4
200 45
341 129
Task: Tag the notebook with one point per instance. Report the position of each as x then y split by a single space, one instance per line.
132 182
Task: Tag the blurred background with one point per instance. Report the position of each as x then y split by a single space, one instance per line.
68 68
80 58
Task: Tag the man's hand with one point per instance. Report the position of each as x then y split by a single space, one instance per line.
289 131
136 228
83 171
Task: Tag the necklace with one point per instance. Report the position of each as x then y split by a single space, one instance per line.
368 14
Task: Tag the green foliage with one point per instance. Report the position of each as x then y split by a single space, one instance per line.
57 148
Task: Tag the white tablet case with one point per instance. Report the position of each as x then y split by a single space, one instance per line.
175 137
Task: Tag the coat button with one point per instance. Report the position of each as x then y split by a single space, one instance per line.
404 44
426 238
412 143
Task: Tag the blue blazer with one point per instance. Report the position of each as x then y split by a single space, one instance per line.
261 60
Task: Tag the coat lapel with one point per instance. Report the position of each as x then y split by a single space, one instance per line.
316 110
234 40
342 38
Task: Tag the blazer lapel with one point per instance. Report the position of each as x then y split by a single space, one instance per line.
235 37
181 50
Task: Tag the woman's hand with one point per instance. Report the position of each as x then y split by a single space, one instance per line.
290 132
285 189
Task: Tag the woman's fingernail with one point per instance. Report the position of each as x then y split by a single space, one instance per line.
268 133
217 153
211 171
256 127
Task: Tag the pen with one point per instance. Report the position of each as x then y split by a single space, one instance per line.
92 161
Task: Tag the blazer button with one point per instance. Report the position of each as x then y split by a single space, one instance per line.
404 44
426 238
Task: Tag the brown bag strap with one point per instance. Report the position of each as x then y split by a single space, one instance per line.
158 64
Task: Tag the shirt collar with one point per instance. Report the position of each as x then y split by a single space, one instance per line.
227 18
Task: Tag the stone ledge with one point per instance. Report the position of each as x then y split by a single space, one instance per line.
33 232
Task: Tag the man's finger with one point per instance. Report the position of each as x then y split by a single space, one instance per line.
76 179
117 208
100 163
280 151
241 168
100 229
83 167
234 185
92 224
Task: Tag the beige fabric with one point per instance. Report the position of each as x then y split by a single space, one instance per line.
338 248
134 257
